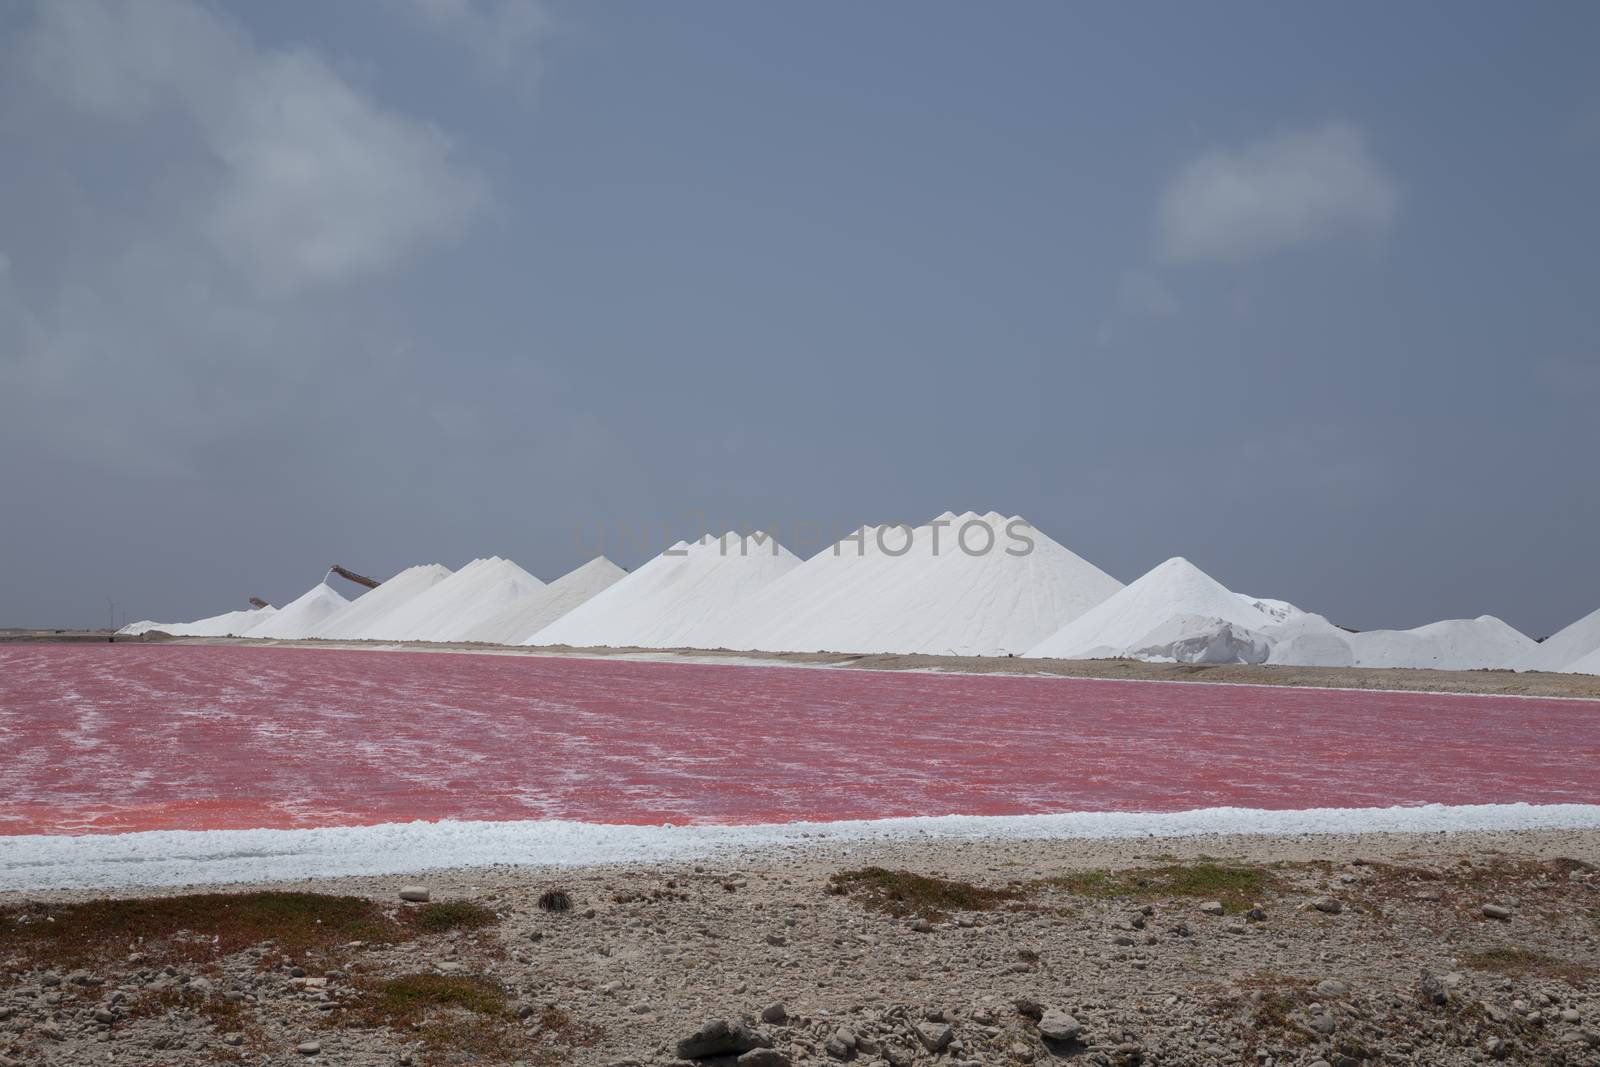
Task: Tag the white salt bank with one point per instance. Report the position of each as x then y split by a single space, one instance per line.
530 614
299 617
661 603
228 624
363 614
1484 643
1174 612
969 585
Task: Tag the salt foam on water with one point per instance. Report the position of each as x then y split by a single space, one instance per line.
301 616
661 603
529 614
972 585
353 622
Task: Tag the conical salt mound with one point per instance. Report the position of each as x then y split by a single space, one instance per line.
1571 644
658 605
301 616
450 609
1484 643
367 612
973 585
1176 611
530 614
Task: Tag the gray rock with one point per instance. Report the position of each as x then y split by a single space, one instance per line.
1059 1026
763 1057
1324 1024
935 1037
718 1037
417 894
1328 905
1496 911
308 1048
1212 907
776 1014
1331 989
1432 989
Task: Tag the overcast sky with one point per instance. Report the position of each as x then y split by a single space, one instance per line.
1307 293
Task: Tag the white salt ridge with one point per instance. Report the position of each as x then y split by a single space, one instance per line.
364 613
301 616
1309 640
1484 643
532 613
866 595
660 604
1563 650
1174 612
185 857
448 610
228 624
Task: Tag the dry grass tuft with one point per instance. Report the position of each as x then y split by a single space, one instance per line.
901 893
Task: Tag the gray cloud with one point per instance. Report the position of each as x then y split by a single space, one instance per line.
1295 188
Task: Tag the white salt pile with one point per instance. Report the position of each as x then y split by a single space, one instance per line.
228 624
1174 612
301 616
532 613
351 623
1307 640
661 603
1566 648
1484 643
448 610
971 585
1589 664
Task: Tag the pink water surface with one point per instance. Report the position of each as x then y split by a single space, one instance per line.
108 738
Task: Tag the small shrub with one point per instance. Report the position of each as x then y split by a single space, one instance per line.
901 893
555 900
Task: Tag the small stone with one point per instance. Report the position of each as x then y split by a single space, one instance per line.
417 894
1496 911
935 1037
1324 1024
1432 989
104 1016
1256 914
775 1013
1570 1015
922 926
763 1057
1059 1026
1212 907
233 1039
308 1048
1331 989
1328 905
777 940
1029 1008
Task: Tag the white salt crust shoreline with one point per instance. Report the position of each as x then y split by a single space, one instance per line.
184 857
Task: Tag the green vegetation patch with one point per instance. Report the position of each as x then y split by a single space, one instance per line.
1235 886
902 893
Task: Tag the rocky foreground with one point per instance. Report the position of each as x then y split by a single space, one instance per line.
1338 951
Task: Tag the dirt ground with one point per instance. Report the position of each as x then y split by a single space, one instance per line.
1399 949
1508 683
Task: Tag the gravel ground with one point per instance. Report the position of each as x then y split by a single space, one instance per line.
1437 949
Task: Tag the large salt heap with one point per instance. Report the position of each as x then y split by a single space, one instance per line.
1563 650
228 624
1174 612
1484 643
658 605
530 614
446 611
1589 664
960 585
301 616
364 613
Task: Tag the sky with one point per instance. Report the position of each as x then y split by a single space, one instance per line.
1304 293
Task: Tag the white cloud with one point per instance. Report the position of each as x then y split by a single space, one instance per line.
1233 205
500 33
317 183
